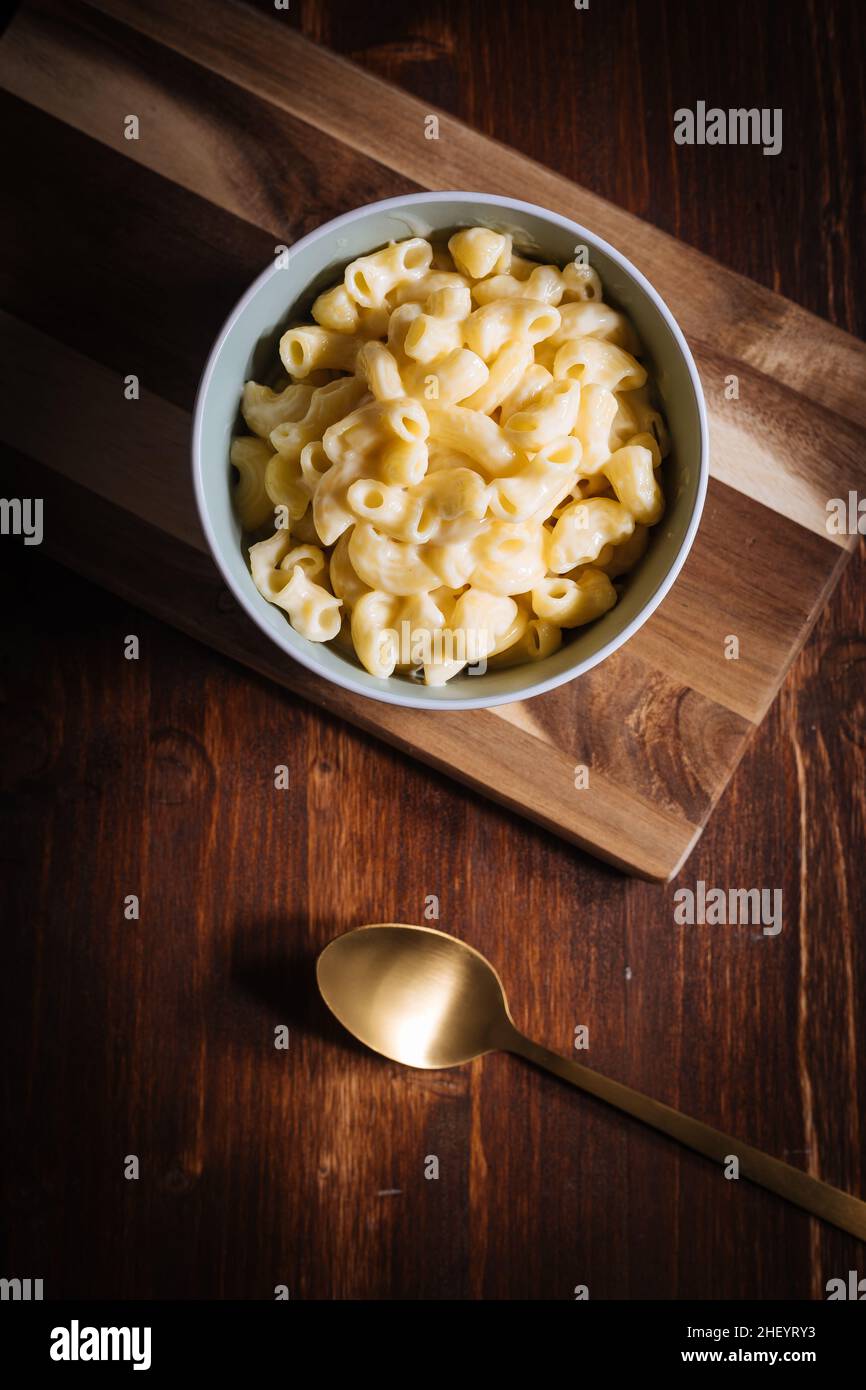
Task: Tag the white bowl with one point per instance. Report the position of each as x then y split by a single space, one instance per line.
247 348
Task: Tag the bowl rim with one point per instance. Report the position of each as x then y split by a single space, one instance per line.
391 692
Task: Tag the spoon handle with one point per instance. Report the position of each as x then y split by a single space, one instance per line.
819 1198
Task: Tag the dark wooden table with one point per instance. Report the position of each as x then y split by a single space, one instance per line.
155 1037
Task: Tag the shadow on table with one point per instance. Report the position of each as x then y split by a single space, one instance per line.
283 981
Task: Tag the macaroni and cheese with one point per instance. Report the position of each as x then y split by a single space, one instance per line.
461 459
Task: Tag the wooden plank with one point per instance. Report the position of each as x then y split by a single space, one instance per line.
753 575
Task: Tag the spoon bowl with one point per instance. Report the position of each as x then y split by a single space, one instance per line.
414 994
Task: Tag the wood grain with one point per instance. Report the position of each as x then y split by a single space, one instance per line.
156 776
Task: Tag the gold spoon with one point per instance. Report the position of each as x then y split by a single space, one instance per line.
423 998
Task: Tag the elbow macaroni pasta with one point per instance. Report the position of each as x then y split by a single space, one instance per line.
461 460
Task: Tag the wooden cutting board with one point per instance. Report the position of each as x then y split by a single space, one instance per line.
127 254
